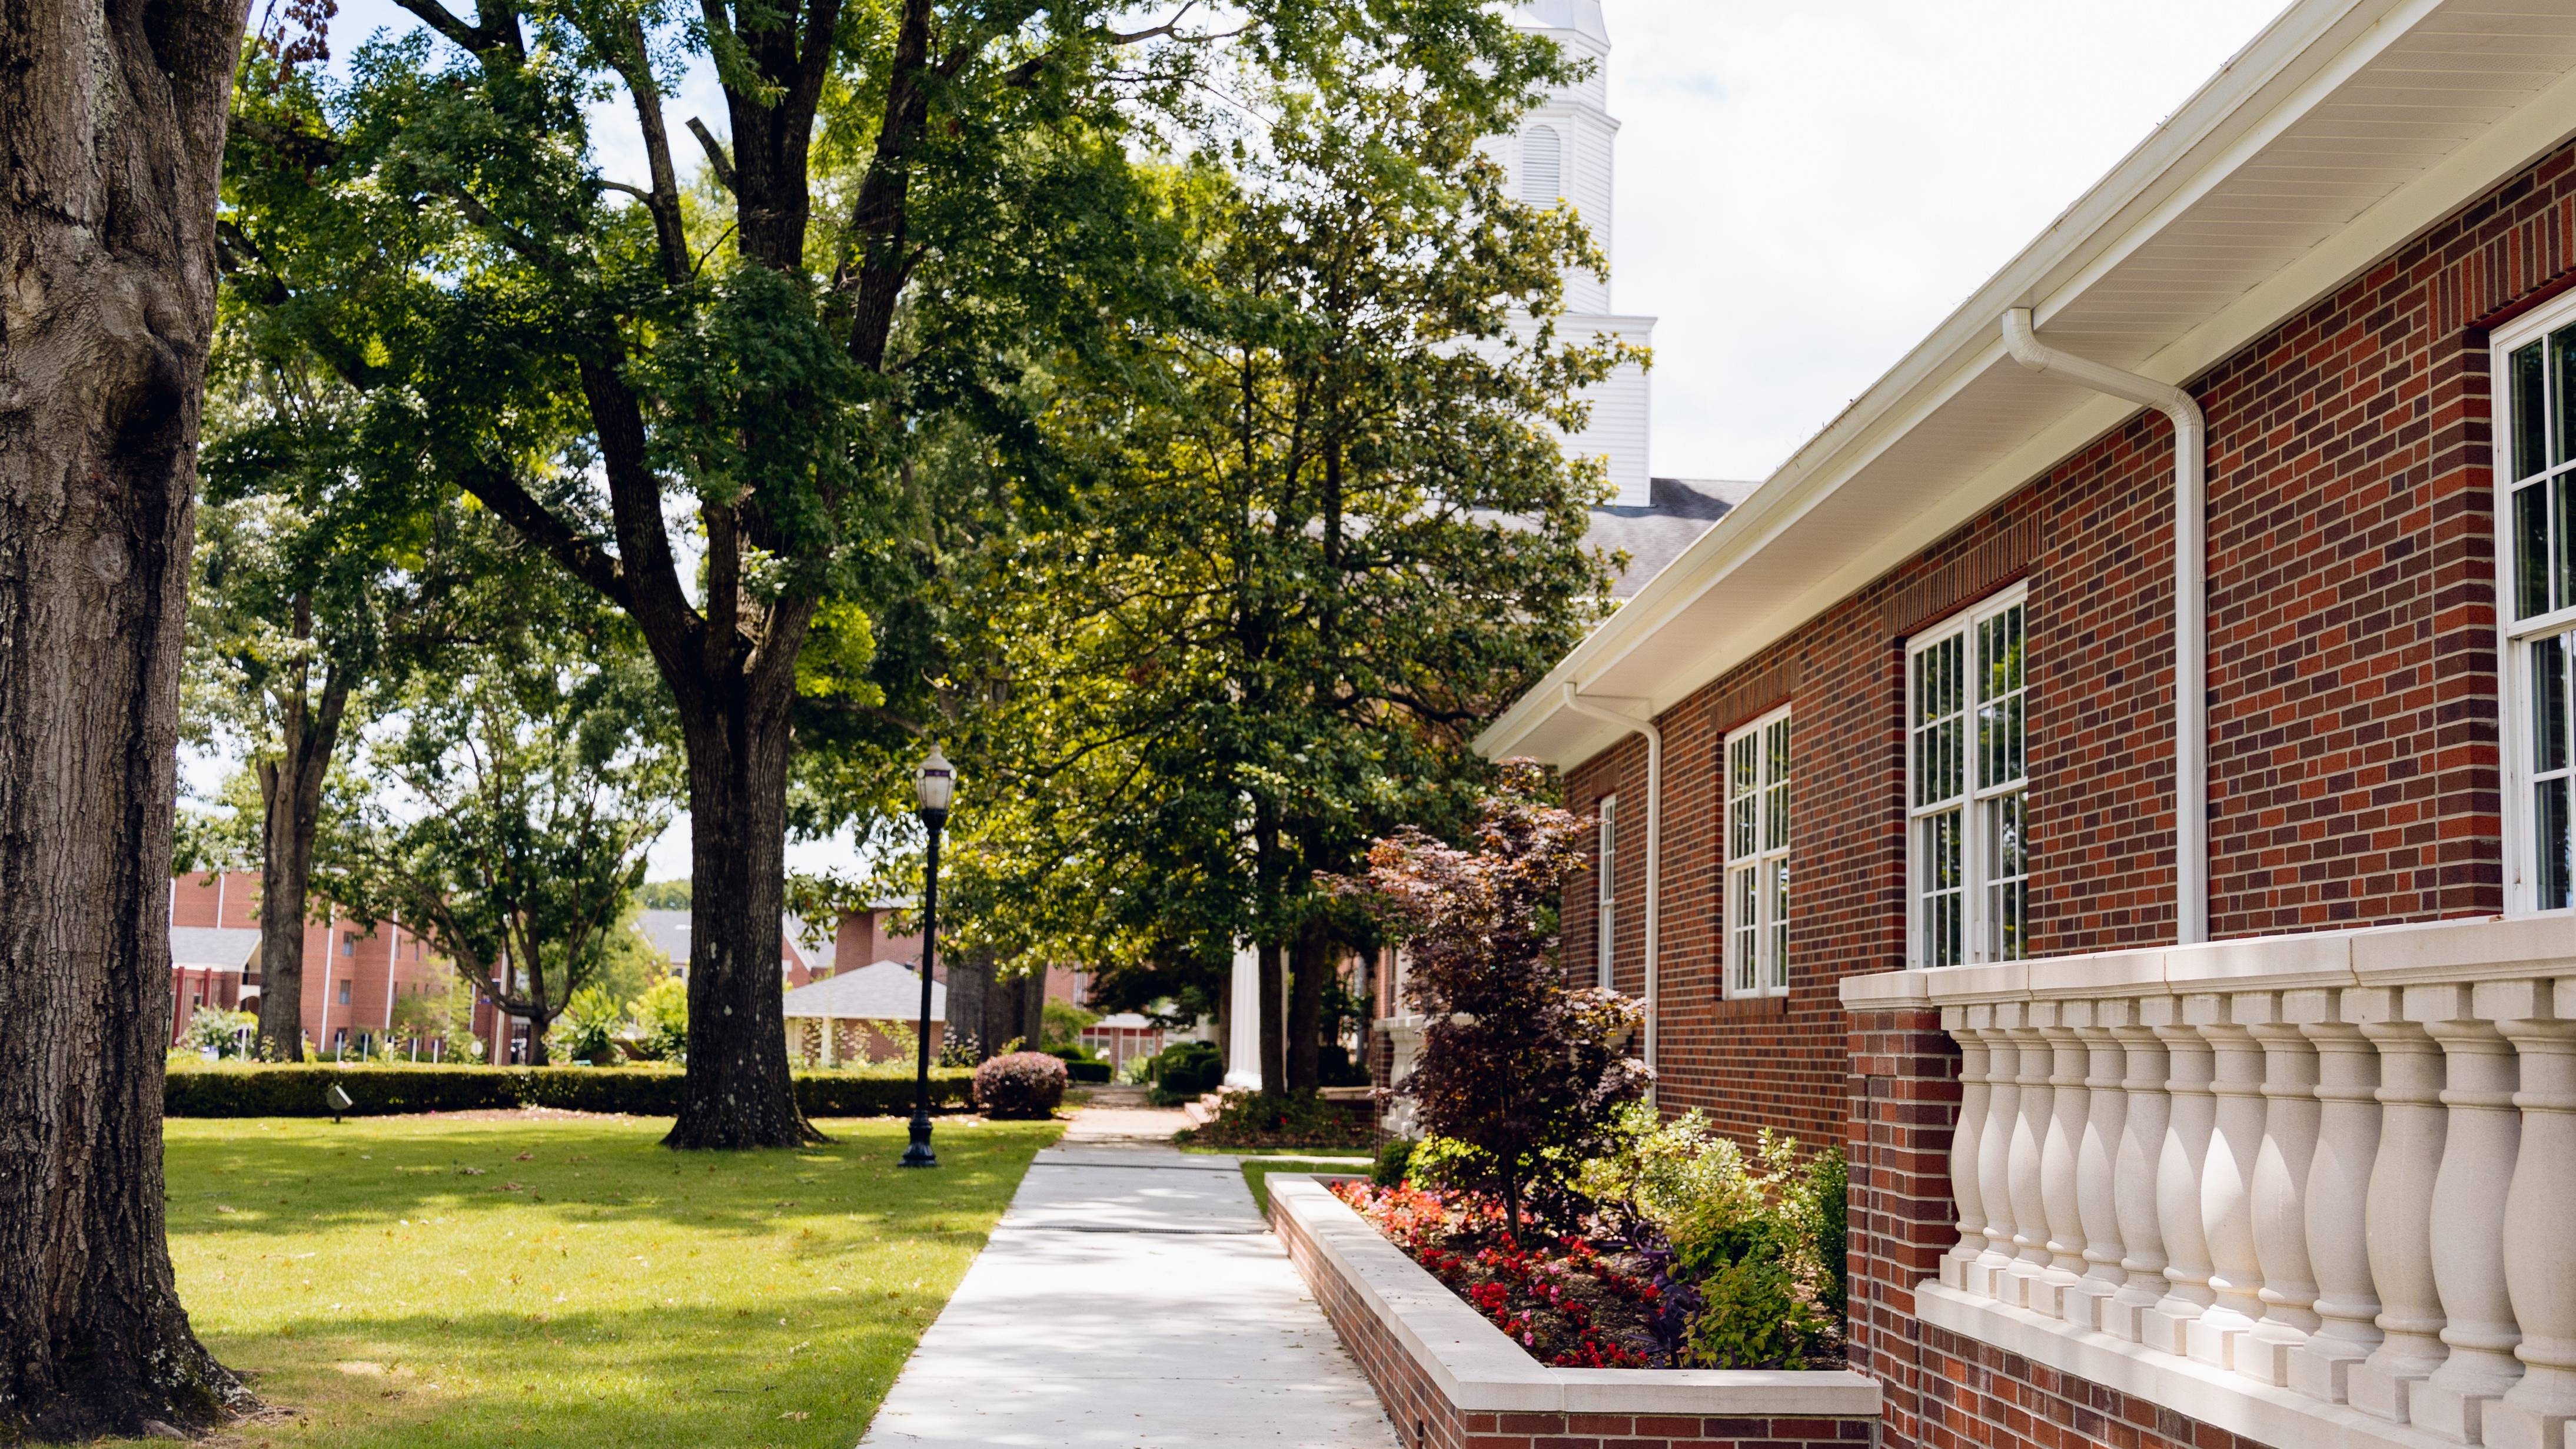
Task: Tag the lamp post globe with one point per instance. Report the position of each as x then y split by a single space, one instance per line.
934 785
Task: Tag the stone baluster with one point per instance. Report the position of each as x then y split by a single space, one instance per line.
2227 1183
2029 1136
2540 1218
2069 1105
2097 1154
2178 1172
2412 1126
2338 1191
2133 1176
2468 1216
1994 1153
1974 1060
2289 1147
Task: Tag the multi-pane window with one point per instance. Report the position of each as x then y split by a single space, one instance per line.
1606 876
1757 858
1967 788
2536 476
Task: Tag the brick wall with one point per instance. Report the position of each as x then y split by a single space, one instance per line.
2353 757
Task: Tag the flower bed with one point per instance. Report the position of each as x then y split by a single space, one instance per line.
1565 1300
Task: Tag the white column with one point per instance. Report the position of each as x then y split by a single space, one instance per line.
2133 1177
2029 1136
2338 1192
2069 1105
2178 1170
1986 1275
1974 1062
2468 1216
2096 1160
2540 1221
2227 1184
2281 1166
2412 1125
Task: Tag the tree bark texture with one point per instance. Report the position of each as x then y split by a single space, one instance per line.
112 116
738 1092
290 789
1313 967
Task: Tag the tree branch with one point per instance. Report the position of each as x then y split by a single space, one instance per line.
717 160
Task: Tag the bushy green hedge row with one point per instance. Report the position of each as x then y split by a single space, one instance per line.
1096 1073
298 1090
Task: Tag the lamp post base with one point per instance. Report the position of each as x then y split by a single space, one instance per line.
919 1153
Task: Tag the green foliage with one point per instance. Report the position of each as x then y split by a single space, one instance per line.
1063 1023
587 1030
1447 1162
663 895
296 1090
211 1029
1393 1160
1762 1238
1285 1119
1186 1071
662 1020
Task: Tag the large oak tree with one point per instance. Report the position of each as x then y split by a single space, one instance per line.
112 123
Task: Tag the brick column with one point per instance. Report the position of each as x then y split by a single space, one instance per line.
1904 1103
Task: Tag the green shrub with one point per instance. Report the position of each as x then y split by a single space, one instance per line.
1447 1162
295 1089
1391 1162
1071 1052
1088 1073
1022 1086
1186 1071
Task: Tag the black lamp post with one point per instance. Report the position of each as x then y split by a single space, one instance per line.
932 786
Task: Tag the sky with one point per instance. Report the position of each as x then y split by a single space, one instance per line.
1805 189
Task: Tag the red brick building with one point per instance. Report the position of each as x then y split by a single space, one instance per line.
2248 1122
354 972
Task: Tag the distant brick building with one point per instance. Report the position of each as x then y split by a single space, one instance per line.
354 972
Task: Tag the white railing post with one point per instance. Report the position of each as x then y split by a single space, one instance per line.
2178 1165
1987 1275
2097 1186
2337 1196
2134 1177
2540 1218
2468 1216
2069 1105
2280 1187
1973 1095
2227 1183
2412 1126
2029 1136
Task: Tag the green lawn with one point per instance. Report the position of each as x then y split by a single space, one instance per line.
401 1282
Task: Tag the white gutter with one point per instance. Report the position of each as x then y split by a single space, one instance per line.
1596 709
2191 652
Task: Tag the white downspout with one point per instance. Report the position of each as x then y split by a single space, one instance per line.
1654 835
2191 651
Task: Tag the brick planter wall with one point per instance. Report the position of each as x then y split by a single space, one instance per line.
1446 1385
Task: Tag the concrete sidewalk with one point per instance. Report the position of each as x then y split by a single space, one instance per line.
1130 1299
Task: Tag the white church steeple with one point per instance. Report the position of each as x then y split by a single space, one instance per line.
1563 152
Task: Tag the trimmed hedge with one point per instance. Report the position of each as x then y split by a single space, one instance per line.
1094 1073
296 1089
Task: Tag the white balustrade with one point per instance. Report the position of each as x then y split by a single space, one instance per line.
2069 1106
2281 1167
2347 1187
2096 1162
2338 1194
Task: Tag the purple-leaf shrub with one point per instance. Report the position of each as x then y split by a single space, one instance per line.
1021 1086
1513 1061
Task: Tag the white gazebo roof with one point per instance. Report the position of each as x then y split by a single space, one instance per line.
212 948
885 991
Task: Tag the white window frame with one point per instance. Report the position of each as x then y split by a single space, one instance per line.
1755 814
1605 917
1982 936
2515 637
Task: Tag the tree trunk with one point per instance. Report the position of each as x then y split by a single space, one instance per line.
111 138
738 1092
290 789
970 989
1314 965
1274 1038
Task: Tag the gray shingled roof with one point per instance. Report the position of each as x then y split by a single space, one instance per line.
212 948
1653 536
886 991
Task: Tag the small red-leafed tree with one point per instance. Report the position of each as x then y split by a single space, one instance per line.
1514 1063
